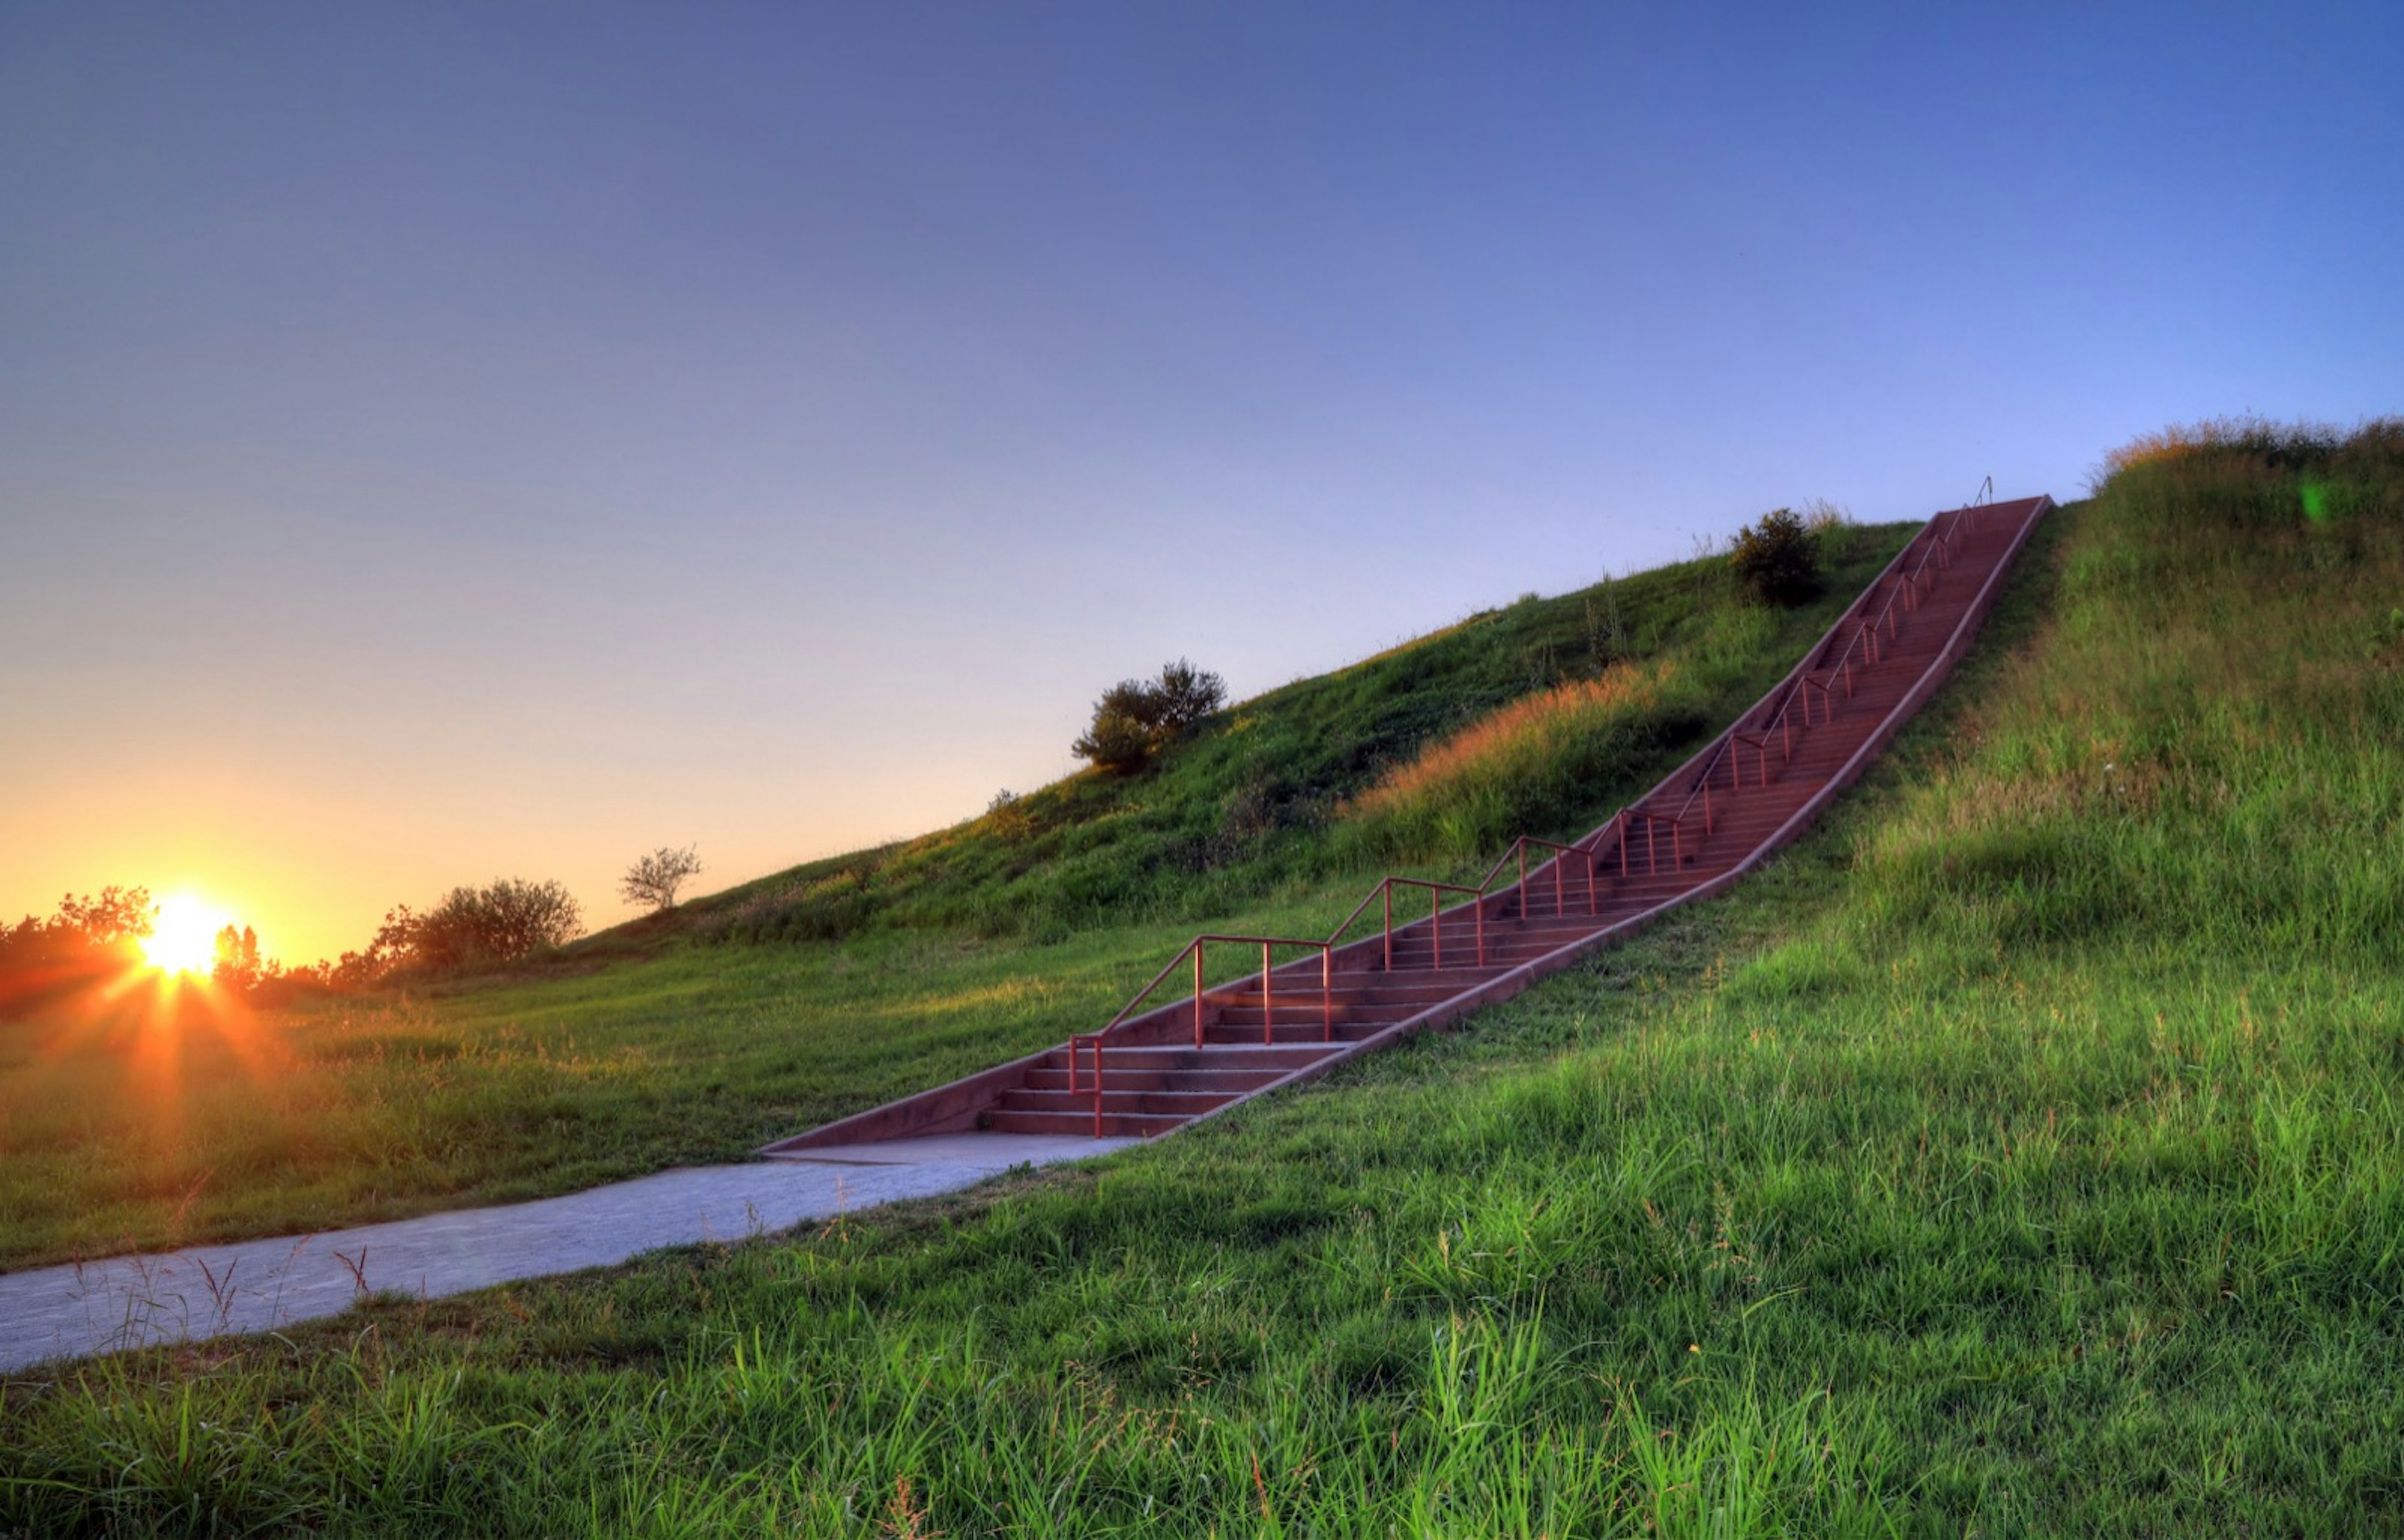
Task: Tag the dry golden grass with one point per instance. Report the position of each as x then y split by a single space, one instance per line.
1532 729
1518 767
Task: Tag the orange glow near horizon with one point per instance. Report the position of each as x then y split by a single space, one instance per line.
184 938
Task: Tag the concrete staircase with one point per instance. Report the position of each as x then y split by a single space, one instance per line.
1748 792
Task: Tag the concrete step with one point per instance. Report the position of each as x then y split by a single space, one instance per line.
1292 1011
1003 1120
1170 1103
1354 991
1235 1034
1119 1076
1284 1058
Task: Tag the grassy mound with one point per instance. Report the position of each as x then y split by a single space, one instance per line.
837 986
2023 1153
1330 776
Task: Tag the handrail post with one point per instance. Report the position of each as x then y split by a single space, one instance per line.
1268 1002
1435 920
1074 1038
1327 992
1097 1088
1197 994
1622 821
1387 887
1522 843
1561 896
1479 905
1593 904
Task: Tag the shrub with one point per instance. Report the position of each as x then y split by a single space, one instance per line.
1136 718
504 921
1776 560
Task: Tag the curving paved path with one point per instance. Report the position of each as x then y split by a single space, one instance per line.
88 1308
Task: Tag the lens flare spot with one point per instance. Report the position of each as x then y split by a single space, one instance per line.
183 937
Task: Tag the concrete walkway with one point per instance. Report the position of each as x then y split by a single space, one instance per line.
256 1285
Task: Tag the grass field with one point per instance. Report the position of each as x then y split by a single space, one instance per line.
816 993
2023 1153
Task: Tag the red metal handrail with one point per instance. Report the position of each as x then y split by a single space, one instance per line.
1436 890
1194 949
1561 900
1653 822
1076 1039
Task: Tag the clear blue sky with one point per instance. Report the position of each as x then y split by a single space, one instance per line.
438 444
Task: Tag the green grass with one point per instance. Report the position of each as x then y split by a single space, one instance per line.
756 1013
2021 1154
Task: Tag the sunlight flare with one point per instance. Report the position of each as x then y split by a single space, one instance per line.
184 938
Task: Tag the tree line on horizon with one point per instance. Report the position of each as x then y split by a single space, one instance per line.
94 939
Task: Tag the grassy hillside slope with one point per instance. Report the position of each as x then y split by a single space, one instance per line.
846 983
2021 1154
1331 775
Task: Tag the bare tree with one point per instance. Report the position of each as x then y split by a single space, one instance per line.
655 878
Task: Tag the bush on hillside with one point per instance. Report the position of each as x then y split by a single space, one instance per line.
1135 718
507 920
1776 560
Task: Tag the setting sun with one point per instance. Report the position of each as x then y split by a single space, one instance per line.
184 938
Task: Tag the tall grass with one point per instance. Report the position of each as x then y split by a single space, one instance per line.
1522 766
1532 765
2207 755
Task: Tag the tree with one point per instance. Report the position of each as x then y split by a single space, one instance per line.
1776 559
655 878
1136 718
237 969
117 914
87 941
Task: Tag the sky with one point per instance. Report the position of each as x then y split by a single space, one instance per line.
446 442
